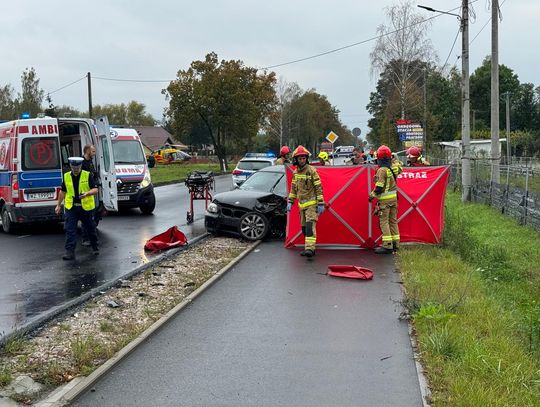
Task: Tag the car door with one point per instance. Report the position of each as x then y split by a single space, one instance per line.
107 174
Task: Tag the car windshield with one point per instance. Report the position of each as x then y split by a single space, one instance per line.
128 152
253 165
262 181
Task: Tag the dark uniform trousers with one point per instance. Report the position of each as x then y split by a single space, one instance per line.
71 218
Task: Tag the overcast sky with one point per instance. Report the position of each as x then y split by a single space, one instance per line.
152 40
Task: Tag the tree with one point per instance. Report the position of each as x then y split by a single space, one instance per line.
31 97
132 114
524 111
231 100
7 104
480 86
279 120
401 48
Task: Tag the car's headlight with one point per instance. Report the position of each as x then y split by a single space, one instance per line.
146 180
212 208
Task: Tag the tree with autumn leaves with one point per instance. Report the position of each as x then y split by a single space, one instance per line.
227 98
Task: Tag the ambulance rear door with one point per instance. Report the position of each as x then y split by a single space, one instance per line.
107 174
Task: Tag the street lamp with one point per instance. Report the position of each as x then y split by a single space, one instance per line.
465 99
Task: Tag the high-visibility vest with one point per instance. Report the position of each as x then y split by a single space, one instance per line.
87 202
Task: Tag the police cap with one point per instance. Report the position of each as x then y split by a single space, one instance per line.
75 161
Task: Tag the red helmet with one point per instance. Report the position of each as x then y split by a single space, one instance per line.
384 152
301 150
284 150
413 152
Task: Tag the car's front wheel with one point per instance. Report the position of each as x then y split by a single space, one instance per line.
253 226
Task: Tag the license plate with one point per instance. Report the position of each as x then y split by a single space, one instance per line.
123 197
38 196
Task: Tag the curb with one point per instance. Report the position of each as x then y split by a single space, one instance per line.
68 393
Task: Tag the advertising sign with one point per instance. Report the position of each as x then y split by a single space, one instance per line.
410 133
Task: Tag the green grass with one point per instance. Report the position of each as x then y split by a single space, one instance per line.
169 173
475 304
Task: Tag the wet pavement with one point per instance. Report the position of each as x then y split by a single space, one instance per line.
35 280
277 331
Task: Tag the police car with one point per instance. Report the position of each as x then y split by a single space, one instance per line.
251 163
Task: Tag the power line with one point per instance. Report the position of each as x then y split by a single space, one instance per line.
131 80
65 86
284 63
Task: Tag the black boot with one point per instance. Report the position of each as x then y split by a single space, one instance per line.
395 246
68 255
383 250
309 253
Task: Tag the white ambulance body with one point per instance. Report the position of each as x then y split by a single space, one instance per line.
33 157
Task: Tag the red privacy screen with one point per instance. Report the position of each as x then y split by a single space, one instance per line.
349 219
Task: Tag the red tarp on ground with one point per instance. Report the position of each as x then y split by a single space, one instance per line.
169 239
349 220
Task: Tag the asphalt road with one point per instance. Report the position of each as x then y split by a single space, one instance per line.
35 279
276 331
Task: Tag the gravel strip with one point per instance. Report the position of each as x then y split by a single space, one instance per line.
76 344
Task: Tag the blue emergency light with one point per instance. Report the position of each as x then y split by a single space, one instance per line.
25 115
263 155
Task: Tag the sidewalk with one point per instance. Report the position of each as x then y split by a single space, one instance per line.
276 331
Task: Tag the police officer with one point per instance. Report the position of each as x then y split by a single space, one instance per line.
307 188
89 152
284 154
386 192
78 191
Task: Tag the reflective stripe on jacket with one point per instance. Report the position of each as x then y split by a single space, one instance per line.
384 178
306 187
87 202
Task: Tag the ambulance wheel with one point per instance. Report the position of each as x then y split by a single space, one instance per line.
148 207
7 224
253 226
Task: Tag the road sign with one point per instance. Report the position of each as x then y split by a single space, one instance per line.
356 132
332 137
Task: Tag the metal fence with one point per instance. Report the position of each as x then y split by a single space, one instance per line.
517 195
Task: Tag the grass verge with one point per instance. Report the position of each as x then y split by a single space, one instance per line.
475 306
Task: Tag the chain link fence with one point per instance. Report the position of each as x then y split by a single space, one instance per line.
516 195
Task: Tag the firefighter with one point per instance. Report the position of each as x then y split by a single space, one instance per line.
306 187
284 154
78 191
415 159
386 193
323 158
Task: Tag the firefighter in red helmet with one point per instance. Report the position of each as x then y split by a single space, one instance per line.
284 154
414 157
306 187
385 192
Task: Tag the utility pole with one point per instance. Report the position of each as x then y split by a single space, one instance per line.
424 141
89 94
465 109
495 146
508 149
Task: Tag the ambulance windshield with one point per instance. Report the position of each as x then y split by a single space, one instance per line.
128 152
41 153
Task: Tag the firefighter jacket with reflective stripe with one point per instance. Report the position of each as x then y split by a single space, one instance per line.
87 202
306 187
385 185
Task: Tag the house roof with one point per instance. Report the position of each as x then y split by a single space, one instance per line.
154 137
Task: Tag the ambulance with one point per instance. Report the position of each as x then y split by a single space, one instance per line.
134 184
33 157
